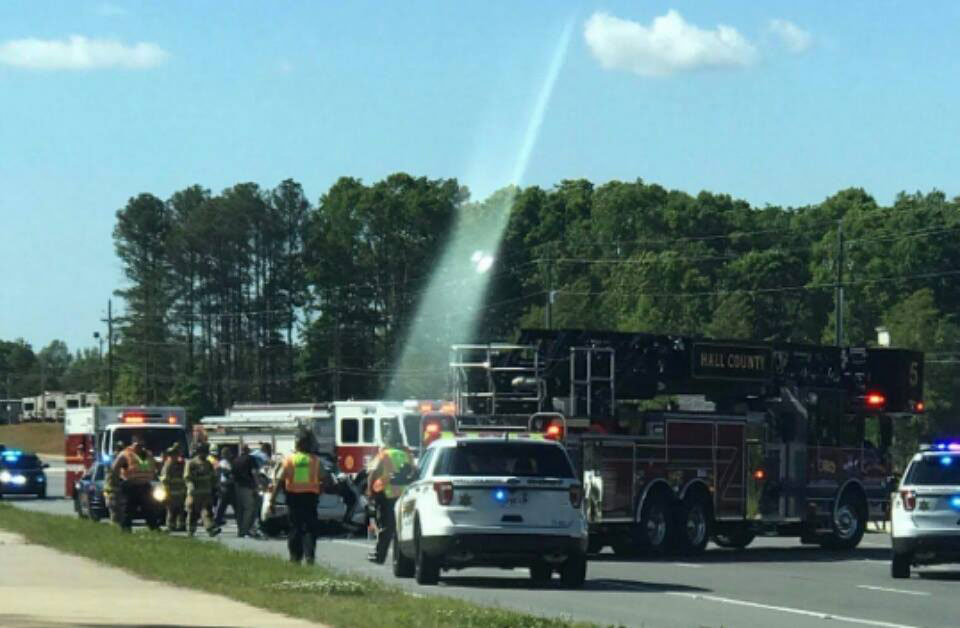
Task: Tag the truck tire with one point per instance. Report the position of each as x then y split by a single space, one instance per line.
734 538
849 523
653 530
900 565
692 525
573 572
403 567
426 569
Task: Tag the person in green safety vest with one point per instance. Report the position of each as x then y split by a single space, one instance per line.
392 470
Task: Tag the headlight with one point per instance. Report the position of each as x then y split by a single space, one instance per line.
159 493
19 480
5 476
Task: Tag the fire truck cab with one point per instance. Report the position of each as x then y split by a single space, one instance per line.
92 433
748 439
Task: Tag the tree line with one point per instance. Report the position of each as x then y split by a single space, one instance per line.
263 294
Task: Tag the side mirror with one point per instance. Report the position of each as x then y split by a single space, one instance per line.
45 465
892 481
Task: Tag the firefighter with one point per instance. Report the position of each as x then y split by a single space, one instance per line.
111 489
172 479
199 476
136 470
392 470
302 476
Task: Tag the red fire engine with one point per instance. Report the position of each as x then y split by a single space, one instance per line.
758 439
93 432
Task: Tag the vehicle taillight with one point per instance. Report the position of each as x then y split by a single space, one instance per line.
909 499
554 431
576 495
875 400
444 492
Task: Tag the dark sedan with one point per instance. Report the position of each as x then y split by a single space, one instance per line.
88 499
22 474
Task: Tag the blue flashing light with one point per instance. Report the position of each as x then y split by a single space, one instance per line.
105 458
500 495
955 502
948 446
12 454
946 460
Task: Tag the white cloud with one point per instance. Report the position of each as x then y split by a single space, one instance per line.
668 45
794 38
79 53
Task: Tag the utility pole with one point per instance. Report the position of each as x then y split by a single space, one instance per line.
838 298
550 292
109 322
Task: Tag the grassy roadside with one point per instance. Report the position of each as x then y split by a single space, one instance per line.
316 594
44 438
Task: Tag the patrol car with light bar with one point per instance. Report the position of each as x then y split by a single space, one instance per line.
497 497
926 510
21 473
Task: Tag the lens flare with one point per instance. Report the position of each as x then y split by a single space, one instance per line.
451 307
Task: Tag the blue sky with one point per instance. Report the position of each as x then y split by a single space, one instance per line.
785 104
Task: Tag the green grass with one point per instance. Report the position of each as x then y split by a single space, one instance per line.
317 593
44 438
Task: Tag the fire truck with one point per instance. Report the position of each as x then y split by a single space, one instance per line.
349 430
91 434
785 440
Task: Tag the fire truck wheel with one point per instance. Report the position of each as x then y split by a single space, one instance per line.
653 529
734 539
692 527
849 523
403 567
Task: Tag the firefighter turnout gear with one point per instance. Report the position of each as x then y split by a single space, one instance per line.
171 476
199 477
136 471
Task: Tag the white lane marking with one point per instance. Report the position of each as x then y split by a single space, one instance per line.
357 543
889 590
787 609
691 565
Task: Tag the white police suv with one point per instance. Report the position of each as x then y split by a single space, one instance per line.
926 510
497 500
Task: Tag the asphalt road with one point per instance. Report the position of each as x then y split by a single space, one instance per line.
775 582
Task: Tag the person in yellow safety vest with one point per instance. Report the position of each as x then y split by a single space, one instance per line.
393 470
302 476
136 469
171 476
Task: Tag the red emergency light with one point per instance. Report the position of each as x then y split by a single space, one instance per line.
919 407
172 420
554 430
759 474
134 418
875 399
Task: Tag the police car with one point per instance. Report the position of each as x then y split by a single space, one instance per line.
926 510
21 473
492 500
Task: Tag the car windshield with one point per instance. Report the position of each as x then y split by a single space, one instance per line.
935 470
22 461
155 439
504 458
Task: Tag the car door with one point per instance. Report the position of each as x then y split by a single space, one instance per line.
407 502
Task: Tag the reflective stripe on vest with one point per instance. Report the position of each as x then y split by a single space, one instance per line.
301 473
138 470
